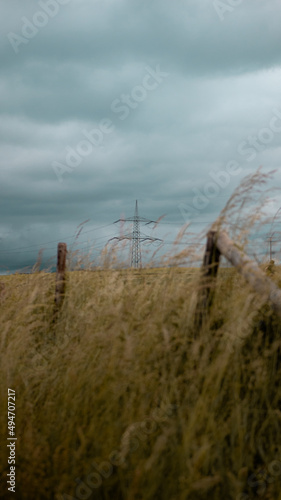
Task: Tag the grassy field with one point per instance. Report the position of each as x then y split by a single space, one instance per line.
124 398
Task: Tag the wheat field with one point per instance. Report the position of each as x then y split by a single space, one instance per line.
123 398
123 395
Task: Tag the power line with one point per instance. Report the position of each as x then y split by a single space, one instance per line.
136 237
38 245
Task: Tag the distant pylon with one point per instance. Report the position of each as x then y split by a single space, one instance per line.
136 237
136 248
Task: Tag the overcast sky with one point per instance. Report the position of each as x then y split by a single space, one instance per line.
107 101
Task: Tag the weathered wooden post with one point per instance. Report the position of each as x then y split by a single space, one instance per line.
219 243
209 273
211 259
60 276
250 270
2 291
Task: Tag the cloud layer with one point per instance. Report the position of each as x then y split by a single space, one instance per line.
106 102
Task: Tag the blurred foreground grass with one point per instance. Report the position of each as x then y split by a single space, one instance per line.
123 399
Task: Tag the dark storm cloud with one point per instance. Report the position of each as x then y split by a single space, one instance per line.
186 34
93 63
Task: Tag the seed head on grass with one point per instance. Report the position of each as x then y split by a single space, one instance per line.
125 377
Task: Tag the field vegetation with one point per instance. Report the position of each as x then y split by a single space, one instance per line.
121 396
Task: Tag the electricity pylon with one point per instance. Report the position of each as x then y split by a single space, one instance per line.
136 236
136 247
272 238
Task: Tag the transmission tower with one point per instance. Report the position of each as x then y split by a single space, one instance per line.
273 236
136 247
136 236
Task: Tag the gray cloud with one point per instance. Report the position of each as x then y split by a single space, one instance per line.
222 86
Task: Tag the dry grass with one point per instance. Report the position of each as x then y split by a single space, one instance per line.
123 399
191 414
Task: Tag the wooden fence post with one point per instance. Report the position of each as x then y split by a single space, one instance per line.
209 273
219 243
60 275
250 270
211 259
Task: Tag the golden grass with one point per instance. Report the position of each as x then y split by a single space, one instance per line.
123 398
123 395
